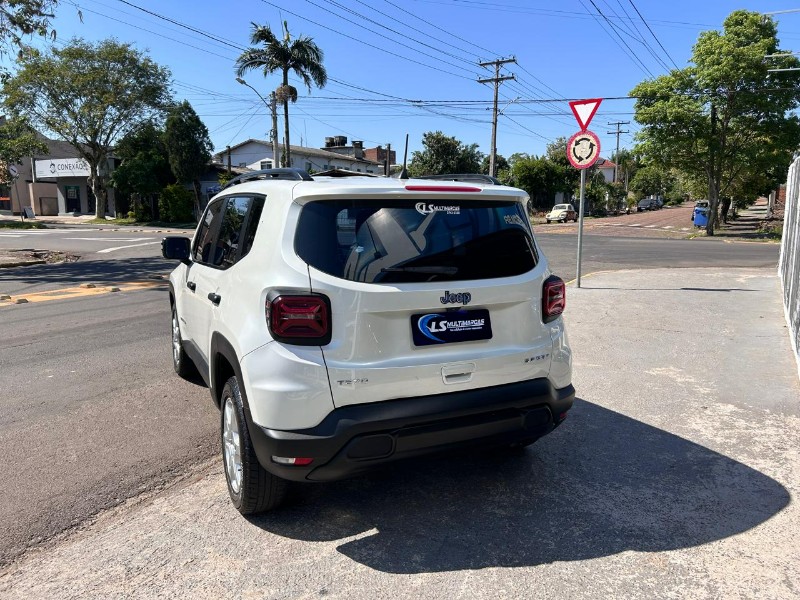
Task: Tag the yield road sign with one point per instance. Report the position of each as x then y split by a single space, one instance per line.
583 149
584 110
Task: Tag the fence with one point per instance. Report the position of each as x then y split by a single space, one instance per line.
789 264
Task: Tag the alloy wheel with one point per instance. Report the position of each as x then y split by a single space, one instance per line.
231 441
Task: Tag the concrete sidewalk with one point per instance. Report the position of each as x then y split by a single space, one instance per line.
675 476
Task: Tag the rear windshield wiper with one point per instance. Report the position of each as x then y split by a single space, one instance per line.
432 270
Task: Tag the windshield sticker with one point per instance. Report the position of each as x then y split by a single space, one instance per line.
514 220
426 209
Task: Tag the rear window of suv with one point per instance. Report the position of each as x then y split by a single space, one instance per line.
403 241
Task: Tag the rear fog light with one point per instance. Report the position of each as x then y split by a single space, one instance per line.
291 460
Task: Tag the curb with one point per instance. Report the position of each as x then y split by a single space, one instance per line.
22 263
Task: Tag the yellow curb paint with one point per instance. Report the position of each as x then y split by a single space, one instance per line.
584 276
82 292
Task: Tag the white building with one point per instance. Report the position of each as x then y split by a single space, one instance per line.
56 183
257 154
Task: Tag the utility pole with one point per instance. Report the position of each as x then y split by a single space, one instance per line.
388 159
496 80
618 132
273 107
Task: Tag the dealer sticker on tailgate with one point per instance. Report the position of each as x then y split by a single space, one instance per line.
448 327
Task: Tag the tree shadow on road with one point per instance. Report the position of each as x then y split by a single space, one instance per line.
89 271
601 484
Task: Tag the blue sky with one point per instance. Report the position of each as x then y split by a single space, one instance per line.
383 56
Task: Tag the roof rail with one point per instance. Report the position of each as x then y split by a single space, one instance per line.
286 174
344 173
464 177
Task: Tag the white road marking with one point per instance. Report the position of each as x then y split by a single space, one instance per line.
635 225
649 226
668 227
19 232
684 229
117 239
104 251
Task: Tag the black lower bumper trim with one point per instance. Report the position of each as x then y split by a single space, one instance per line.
360 437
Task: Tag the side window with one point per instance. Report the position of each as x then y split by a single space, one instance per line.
252 224
204 241
230 236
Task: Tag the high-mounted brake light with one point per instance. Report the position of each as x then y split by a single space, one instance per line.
554 298
441 188
300 319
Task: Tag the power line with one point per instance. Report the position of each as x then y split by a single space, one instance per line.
629 52
654 34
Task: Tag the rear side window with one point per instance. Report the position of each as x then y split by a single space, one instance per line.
235 219
403 241
204 243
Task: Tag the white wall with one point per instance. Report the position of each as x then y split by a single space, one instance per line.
789 264
252 154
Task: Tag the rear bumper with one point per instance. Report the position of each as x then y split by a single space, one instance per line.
357 438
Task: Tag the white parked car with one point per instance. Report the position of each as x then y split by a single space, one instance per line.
342 323
563 213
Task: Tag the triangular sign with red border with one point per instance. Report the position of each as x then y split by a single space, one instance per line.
584 111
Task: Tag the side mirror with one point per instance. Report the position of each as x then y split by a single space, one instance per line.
176 248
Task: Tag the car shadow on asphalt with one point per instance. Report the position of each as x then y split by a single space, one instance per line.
601 484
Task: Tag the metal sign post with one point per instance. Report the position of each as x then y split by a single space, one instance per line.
583 150
580 226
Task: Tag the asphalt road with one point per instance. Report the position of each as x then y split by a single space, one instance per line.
602 252
674 476
92 413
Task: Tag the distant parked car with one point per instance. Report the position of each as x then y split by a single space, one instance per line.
562 213
647 204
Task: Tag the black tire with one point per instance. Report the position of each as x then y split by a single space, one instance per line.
181 362
548 221
257 490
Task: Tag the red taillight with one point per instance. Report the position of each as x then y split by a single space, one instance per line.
300 319
554 298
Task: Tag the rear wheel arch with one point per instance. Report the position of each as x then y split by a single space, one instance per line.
224 364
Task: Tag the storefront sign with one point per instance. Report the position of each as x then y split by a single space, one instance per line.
62 167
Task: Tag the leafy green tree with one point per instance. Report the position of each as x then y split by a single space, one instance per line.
300 55
188 147
443 154
500 163
541 178
175 204
20 18
89 95
725 116
556 152
144 170
17 140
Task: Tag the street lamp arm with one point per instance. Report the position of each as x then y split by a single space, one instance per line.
271 104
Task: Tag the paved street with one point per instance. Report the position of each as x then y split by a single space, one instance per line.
674 477
94 415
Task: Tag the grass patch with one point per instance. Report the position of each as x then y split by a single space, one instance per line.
126 222
767 232
22 225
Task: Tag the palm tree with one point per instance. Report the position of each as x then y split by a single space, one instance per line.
300 55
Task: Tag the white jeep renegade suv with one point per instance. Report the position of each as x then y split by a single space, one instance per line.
345 322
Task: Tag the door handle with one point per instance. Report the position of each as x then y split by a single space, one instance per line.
191 285
215 298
